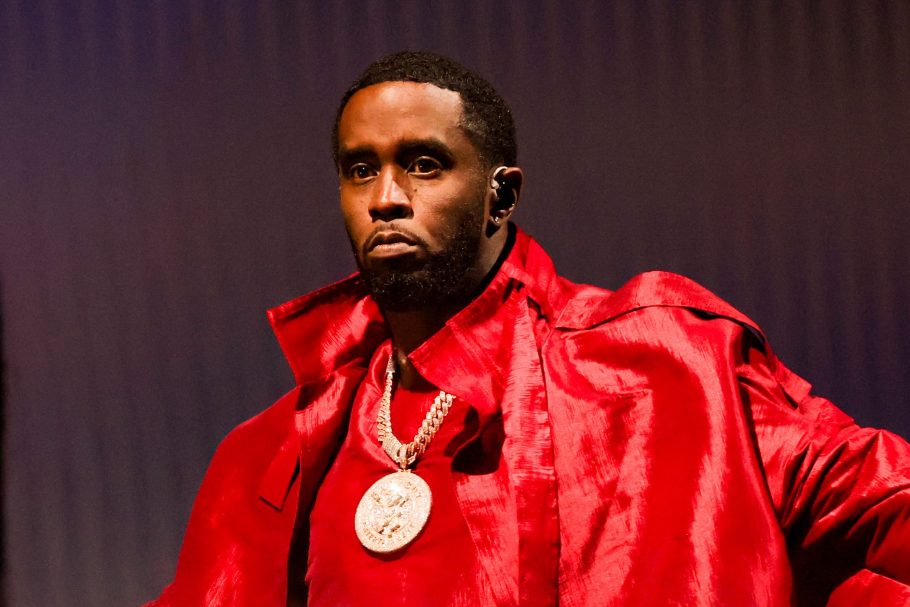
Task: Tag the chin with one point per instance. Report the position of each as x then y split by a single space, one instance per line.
433 286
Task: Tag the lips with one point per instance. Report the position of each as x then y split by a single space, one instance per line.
389 237
391 244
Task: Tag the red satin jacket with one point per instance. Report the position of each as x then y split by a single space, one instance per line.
647 448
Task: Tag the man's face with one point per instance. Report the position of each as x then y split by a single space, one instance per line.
413 194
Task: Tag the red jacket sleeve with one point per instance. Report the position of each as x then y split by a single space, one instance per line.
841 492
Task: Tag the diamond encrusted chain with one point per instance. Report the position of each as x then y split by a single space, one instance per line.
395 509
404 454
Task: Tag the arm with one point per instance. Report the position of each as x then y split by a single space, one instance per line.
842 492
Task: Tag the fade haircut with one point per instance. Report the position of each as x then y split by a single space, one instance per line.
485 119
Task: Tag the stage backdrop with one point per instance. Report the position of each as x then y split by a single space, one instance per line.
165 176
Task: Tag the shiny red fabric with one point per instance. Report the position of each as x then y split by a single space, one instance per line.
439 566
647 448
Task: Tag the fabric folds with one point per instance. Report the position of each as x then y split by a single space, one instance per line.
641 447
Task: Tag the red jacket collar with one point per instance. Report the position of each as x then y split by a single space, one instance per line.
339 324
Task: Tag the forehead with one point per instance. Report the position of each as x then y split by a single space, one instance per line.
383 113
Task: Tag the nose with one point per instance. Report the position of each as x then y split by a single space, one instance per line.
391 196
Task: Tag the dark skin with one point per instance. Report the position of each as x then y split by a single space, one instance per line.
408 176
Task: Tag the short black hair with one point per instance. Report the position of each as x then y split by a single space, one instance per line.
486 119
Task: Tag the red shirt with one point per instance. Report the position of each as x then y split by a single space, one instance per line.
437 568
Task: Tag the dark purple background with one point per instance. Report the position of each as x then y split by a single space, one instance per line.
165 177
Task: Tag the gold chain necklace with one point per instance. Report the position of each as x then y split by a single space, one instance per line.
394 510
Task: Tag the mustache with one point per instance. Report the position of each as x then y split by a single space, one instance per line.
398 233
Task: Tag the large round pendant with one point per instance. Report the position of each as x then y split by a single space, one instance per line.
392 512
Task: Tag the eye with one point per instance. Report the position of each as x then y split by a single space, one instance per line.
360 172
425 167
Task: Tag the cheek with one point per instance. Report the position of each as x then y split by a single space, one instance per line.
453 222
356 232
352 213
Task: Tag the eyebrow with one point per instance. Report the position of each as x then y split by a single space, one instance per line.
426 147
349 156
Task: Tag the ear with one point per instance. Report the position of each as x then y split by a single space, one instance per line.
505 189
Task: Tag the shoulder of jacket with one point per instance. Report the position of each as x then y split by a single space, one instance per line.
592 306
259 455
262 433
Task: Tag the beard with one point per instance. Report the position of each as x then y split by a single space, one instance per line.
443 277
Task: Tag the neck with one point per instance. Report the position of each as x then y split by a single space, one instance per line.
411 328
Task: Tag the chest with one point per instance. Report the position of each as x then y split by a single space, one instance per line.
657 478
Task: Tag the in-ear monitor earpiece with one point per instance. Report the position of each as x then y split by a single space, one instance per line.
498 182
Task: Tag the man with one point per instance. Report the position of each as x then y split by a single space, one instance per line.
571 445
